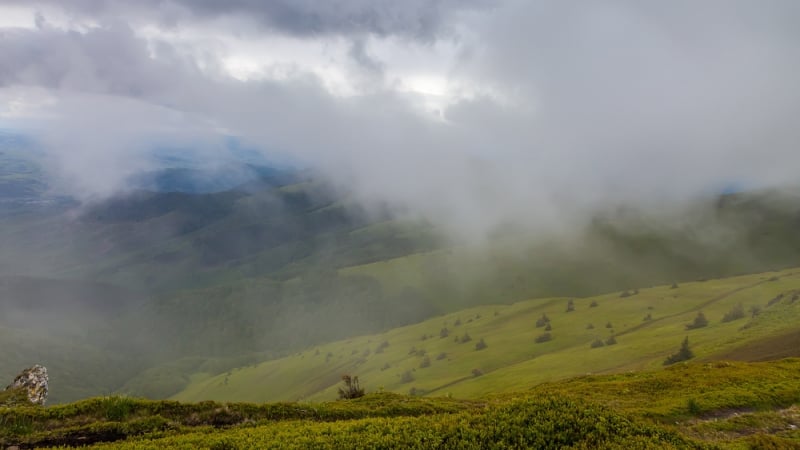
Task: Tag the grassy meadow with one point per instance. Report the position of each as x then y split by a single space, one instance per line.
708 405
440 356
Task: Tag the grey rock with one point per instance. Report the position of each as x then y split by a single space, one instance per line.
34 382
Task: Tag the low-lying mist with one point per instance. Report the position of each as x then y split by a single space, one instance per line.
412 163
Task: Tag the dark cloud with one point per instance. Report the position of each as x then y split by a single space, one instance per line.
419 19
105 60
577 105
358 52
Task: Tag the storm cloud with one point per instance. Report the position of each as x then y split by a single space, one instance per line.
472 115
418 19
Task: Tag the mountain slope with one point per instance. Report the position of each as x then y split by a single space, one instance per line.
419 360
246 275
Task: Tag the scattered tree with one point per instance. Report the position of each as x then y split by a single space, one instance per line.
382 346
426 362
755 310
611 340
590 327
647 318
593 304
674 286
465 338
477 372
441 356
699 322
737 312
608 325
458 322
480 345
542 321
775 300
544 337
548 327
406 377
443 333
570 305
351 388
597 343
684 354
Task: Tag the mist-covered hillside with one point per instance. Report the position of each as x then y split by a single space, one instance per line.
180 282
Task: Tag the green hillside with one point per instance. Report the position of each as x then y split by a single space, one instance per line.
439 356
186 286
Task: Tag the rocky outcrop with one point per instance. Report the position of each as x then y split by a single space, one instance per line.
33 382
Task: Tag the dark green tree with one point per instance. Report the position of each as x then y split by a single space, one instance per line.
737 312
542 321
684 354
699 322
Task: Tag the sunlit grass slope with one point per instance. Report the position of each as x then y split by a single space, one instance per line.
432 357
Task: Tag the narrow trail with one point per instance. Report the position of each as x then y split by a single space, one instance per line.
699 307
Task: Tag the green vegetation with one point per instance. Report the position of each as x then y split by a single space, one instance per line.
684 354
201 284
699 322
14 397
737 312
513 360
699 405
351 389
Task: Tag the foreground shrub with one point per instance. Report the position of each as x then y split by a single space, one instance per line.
351 388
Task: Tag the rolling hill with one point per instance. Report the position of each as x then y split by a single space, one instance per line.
231 278
441 356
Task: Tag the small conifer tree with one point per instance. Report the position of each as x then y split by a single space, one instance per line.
684 354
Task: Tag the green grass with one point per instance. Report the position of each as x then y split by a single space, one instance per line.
695 405
513 361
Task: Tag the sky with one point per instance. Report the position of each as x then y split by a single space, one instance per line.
469 113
